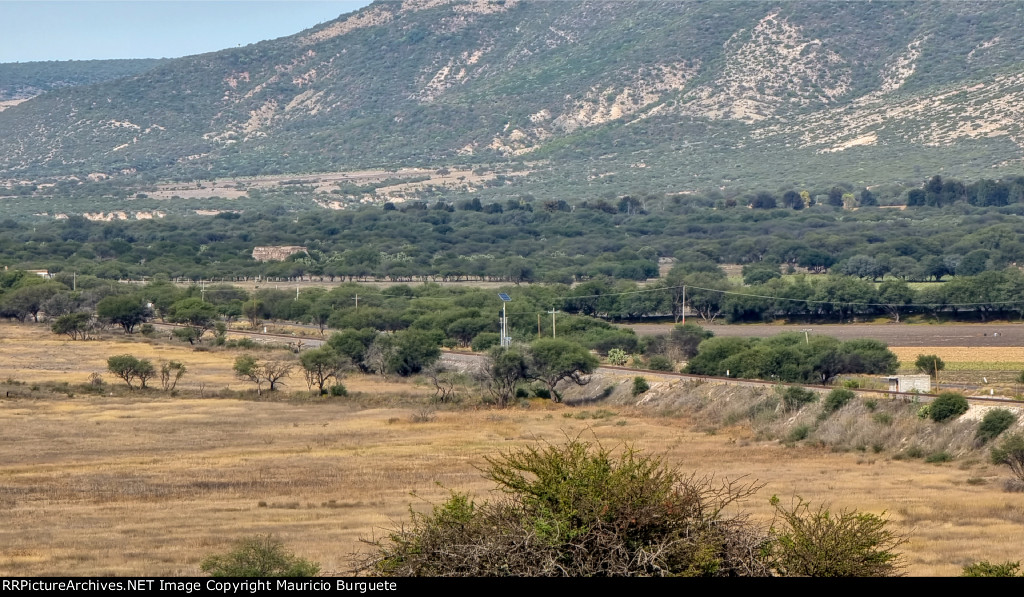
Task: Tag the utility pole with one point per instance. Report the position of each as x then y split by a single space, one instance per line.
357 303
538 325
552 312
504 319
684 304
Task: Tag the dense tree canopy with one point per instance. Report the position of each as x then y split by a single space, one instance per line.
791 358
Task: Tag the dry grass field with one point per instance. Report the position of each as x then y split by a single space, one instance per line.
147 484
34 355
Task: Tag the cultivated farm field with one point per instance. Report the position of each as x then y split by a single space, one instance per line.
951 335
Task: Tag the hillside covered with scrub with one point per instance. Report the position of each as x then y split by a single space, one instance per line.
664 96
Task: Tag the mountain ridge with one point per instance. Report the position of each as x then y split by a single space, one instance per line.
670 94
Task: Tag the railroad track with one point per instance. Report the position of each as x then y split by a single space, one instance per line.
908 396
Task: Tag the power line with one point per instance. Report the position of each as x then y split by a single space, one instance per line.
780 298
742 294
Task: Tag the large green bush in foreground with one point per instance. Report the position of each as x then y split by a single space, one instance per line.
985 568
259 556
819 542
579 509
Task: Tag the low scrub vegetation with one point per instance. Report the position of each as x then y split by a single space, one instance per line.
985 568
1010 452
259 556
578 509
993 423
837 399
948 405
818 542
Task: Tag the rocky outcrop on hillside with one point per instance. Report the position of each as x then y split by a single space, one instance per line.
611 84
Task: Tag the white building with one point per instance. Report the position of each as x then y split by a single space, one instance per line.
910 383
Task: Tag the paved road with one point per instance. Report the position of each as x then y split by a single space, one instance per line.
1002 334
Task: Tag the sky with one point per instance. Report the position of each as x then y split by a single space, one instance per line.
33 30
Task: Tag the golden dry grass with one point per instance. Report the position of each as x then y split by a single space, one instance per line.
112 486
32 354
149 485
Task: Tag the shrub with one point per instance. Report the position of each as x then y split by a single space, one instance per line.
423 415
259 556
799 433
837 398
640 385
1011 453
995 422
579 510
929 363
821 543
687 337
339 390
882 418
795 397
984 568
171 373
617 357
130 368
659 363
938 457
74 325
542 393
949 405
483 341
246 343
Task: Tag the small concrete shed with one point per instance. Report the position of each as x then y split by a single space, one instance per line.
910 383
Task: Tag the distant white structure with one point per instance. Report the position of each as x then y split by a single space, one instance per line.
910 383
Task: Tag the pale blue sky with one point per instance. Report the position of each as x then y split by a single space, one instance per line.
88 29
